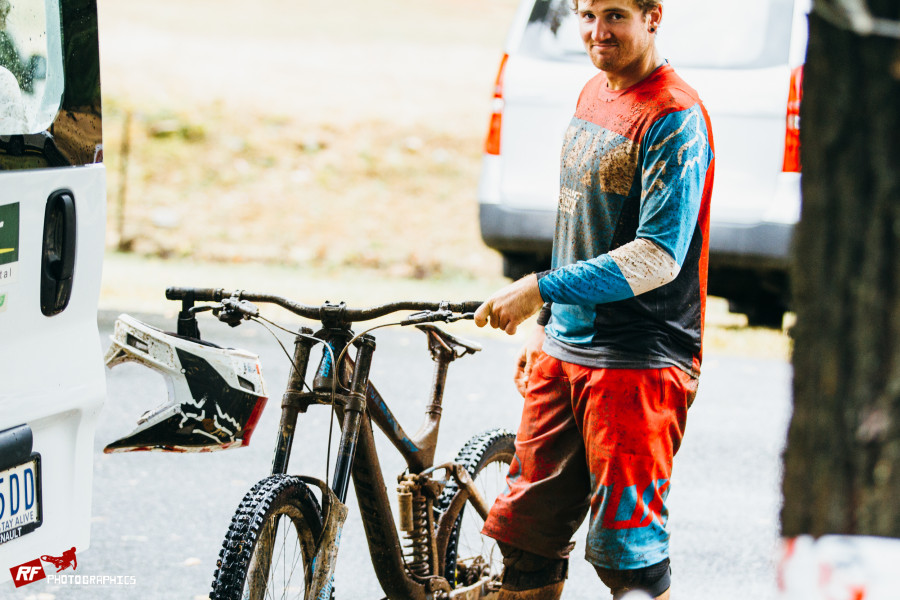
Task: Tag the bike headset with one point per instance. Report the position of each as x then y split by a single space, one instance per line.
215 395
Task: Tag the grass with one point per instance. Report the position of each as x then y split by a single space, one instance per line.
278 192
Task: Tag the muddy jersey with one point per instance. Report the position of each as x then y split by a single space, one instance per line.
628 282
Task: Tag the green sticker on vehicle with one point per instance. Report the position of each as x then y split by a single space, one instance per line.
9 233
9 244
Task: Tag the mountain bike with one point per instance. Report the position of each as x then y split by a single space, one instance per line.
284 537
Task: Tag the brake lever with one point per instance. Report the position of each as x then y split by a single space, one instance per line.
464 316
198 309
427 316
431 316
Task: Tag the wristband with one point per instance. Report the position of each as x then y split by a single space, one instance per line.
544 315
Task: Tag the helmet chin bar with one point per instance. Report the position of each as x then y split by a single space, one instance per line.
215 395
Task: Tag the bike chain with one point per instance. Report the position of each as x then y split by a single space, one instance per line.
470 457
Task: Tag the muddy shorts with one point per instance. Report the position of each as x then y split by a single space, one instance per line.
598 440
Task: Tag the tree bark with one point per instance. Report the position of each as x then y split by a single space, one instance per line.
842 463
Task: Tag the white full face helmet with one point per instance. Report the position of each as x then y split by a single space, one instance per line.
215 395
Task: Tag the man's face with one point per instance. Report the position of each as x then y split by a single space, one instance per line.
616 33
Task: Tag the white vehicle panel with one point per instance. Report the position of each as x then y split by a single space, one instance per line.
52 377
541 98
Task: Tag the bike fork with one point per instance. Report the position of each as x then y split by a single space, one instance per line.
302 347
353 411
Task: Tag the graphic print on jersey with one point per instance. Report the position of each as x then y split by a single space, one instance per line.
629 265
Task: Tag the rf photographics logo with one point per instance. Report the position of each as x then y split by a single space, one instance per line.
34 570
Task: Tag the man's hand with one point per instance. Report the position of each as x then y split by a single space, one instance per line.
526 359
511 305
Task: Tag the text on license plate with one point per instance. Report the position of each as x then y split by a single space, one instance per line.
20 499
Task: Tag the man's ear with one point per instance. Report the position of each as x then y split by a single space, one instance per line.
654 17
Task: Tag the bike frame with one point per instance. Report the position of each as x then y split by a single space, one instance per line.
357 456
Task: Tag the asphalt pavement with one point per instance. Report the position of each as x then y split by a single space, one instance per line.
159 519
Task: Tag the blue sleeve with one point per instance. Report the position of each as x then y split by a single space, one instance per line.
581 283
675 156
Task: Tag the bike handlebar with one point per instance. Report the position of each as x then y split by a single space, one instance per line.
337 311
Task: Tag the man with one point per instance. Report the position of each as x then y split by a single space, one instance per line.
608 382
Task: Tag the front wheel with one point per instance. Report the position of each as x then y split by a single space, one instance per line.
469 556
270 543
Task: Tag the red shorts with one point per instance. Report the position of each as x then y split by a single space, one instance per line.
600 440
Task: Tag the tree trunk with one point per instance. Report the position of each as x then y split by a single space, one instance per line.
842 463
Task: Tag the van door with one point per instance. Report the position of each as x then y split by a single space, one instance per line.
52 228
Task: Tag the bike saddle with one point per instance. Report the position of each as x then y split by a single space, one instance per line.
458 346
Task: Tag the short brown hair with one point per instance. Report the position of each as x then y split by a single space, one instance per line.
645 5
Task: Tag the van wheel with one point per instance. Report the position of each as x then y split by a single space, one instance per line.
763 312
517 265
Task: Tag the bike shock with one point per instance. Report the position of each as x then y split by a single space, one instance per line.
416 504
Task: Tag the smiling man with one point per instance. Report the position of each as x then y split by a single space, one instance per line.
610 374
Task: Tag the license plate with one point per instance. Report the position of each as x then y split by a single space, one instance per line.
20 499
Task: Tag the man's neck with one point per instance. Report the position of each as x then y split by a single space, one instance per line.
636 72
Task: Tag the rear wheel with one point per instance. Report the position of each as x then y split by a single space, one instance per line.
270 543
470 556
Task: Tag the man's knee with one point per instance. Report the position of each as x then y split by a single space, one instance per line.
523 570
654 579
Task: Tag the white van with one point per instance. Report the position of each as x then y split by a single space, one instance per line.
52 228
742 57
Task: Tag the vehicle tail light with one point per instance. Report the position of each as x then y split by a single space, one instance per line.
492 144
792 131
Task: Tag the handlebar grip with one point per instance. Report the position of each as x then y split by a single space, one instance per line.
467 307
198 294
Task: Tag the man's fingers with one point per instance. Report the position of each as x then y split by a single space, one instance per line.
521 385
482 313
521 379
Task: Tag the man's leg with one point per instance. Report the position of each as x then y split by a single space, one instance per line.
633 422
655 580
547 491
527 576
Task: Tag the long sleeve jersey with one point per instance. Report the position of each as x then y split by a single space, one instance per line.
628 278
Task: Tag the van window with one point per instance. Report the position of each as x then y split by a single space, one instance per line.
708 34
31 70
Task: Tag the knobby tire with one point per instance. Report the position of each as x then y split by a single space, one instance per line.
270 542
487 455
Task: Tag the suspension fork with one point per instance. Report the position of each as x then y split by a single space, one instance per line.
289 408
353 410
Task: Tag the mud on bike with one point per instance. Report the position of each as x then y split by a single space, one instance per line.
284 538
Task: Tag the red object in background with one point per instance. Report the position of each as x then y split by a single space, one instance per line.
792 130
492 144
27 573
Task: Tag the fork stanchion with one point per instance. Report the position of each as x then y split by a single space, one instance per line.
353 409
289 409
